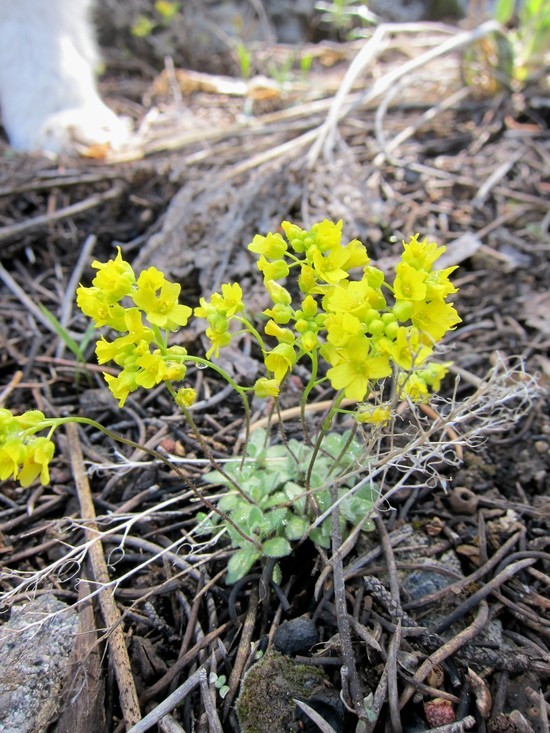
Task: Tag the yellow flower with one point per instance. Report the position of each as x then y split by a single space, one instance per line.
121 385
232 295
330 267
151 279
12 454
434 373
354 297
114 278
341 327
186 397
276 270
122 348
435 318
374 414
152 369
95 304
272 246
283 335
161 310
266 387
356 254
414 386
39 453
438 284
409 284
328 235
204 309
218 338
355 367
407 349
421 255
280 360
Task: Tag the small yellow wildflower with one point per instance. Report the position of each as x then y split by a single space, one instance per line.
39 453
409 283
162 310
12 454
266 387
280 360
374 414
276 270
152 369
114 278
327 234
355 365
95 304
186 397
414 386
435 318
330 268
283 335
121 385
421 255
272 246
232 296
218 339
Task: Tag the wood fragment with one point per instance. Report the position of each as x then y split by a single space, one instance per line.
100 575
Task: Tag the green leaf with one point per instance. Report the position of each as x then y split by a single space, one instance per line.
256 443
274 519
504 10
296 527
255 519
63 334
240 563
293 490
215 477
321 535
277 547
229 502
276 499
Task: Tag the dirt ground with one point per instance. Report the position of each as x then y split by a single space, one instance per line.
400 150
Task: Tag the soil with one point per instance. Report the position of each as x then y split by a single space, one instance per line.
465 165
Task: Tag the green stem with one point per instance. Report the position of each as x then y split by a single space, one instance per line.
250 328
214 463
325 427
309 386
55 422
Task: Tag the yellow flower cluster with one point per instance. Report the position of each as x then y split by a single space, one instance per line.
24 455
142 351
365 329
364 335
219 312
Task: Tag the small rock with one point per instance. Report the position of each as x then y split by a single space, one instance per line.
35 645
296 635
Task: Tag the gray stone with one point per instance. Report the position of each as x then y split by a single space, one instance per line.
35 645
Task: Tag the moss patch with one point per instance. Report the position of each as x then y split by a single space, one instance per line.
266 703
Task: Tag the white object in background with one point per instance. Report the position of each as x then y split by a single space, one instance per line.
48 95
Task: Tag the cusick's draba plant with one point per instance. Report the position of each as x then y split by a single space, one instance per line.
367 339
